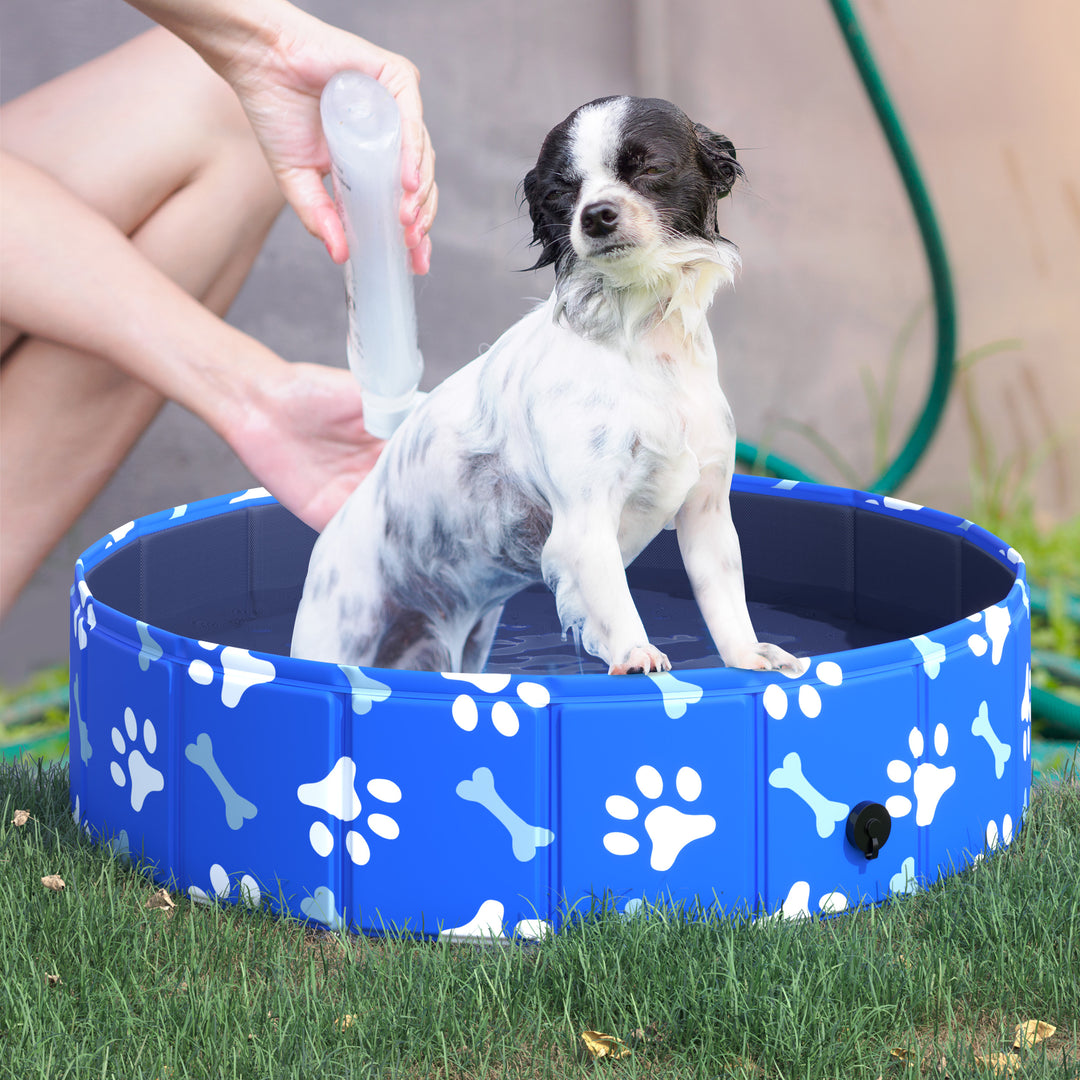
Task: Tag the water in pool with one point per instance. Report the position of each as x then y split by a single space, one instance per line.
529 640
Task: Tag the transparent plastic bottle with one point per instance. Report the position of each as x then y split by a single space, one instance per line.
363 131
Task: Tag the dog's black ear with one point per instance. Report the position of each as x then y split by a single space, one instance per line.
530 187
718 153
545 233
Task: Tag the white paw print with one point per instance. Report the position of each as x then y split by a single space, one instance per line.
669 828
322 907
466 712
996 837
144 777
796 905
775 698
119 847
221 887
904 880
336 794
930 781
996 622
487 924
76 816
239 672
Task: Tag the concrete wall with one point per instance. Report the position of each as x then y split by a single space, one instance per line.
990 95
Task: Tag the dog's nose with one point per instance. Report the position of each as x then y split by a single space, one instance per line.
599 219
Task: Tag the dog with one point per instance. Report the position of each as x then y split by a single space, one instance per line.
557 455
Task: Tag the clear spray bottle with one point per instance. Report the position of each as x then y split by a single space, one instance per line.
363 132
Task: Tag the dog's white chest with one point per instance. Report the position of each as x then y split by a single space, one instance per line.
675 434
654 501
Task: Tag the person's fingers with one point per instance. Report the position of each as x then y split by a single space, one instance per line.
421 256
332 234
304 190
417 205
420 197
419 201
401 77
420 225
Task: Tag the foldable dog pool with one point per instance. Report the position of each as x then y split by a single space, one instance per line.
501 803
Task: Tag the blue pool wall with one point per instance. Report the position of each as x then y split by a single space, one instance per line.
499 804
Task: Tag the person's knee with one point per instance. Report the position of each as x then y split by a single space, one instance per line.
215 112
251 172
234 154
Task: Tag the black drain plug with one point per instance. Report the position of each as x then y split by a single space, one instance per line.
868 827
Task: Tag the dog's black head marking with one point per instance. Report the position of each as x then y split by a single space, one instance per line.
649 146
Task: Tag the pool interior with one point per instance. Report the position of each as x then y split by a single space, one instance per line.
820 578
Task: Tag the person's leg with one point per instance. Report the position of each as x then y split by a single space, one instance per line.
152 139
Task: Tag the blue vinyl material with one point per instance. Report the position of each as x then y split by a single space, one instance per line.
501 803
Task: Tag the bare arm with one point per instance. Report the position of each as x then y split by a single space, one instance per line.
72 277
278 59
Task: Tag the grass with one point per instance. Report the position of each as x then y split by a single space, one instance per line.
34 715
93 983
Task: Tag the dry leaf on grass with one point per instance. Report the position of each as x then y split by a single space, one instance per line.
53 980
999 1064
1031 1032
21 818
345 1022
53 881
162 901
599 1045
899 1053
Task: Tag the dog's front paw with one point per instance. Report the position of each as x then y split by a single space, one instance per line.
763 657
641 658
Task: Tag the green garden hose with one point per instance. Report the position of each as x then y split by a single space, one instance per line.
1061 716
940 276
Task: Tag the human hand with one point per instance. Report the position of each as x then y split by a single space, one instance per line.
304 439
280 88
277 59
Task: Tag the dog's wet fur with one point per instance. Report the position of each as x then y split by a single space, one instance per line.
557 455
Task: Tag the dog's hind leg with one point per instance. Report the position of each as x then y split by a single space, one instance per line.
412 642
478 644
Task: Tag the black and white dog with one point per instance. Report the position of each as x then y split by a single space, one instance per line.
590 425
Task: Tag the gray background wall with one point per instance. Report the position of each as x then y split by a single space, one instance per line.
990 94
